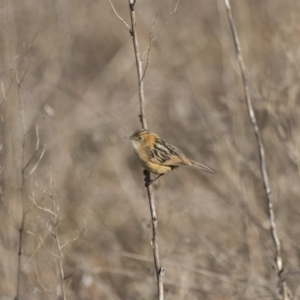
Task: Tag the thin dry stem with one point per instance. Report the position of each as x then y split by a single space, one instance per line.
118 16
45 248
55 220
278 258
40 245
3 92
141 75
148 49
45 209
153 38
73 273
139 64
159 269
36 148
52 230
23 216
56 237
37 163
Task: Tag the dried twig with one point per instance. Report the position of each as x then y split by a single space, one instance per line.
3 92
139 64
278 258
23 216
53 231
159 269
37 163
36 148
141 74
148 49
16 75
118 16
40 245
153 38
73 273
55 221
45 209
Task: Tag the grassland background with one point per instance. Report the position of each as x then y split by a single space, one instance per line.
80 89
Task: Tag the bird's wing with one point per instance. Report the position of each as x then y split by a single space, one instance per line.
166 154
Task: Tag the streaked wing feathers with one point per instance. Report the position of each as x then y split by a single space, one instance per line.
166 154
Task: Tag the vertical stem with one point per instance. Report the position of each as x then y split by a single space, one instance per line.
158 269
21 228
61 256
278 257
55 220
139 63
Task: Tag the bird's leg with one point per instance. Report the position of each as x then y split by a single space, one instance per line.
151 181
147 179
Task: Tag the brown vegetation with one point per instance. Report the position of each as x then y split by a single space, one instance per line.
75 65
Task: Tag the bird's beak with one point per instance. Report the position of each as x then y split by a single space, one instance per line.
127 137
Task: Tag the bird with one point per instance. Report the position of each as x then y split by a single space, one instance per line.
159 157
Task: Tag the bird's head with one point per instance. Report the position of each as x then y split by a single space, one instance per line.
142 138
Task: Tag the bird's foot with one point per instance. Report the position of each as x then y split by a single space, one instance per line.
147 179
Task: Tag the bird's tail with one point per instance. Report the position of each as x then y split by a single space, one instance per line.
202 167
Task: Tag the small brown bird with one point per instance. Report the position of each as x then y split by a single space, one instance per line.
158 156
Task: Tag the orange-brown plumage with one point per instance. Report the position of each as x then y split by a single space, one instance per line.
158 156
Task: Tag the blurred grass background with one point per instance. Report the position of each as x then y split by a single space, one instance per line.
80 89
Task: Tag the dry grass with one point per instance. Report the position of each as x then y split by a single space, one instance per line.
81 92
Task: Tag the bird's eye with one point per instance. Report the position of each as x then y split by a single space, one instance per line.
139 138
